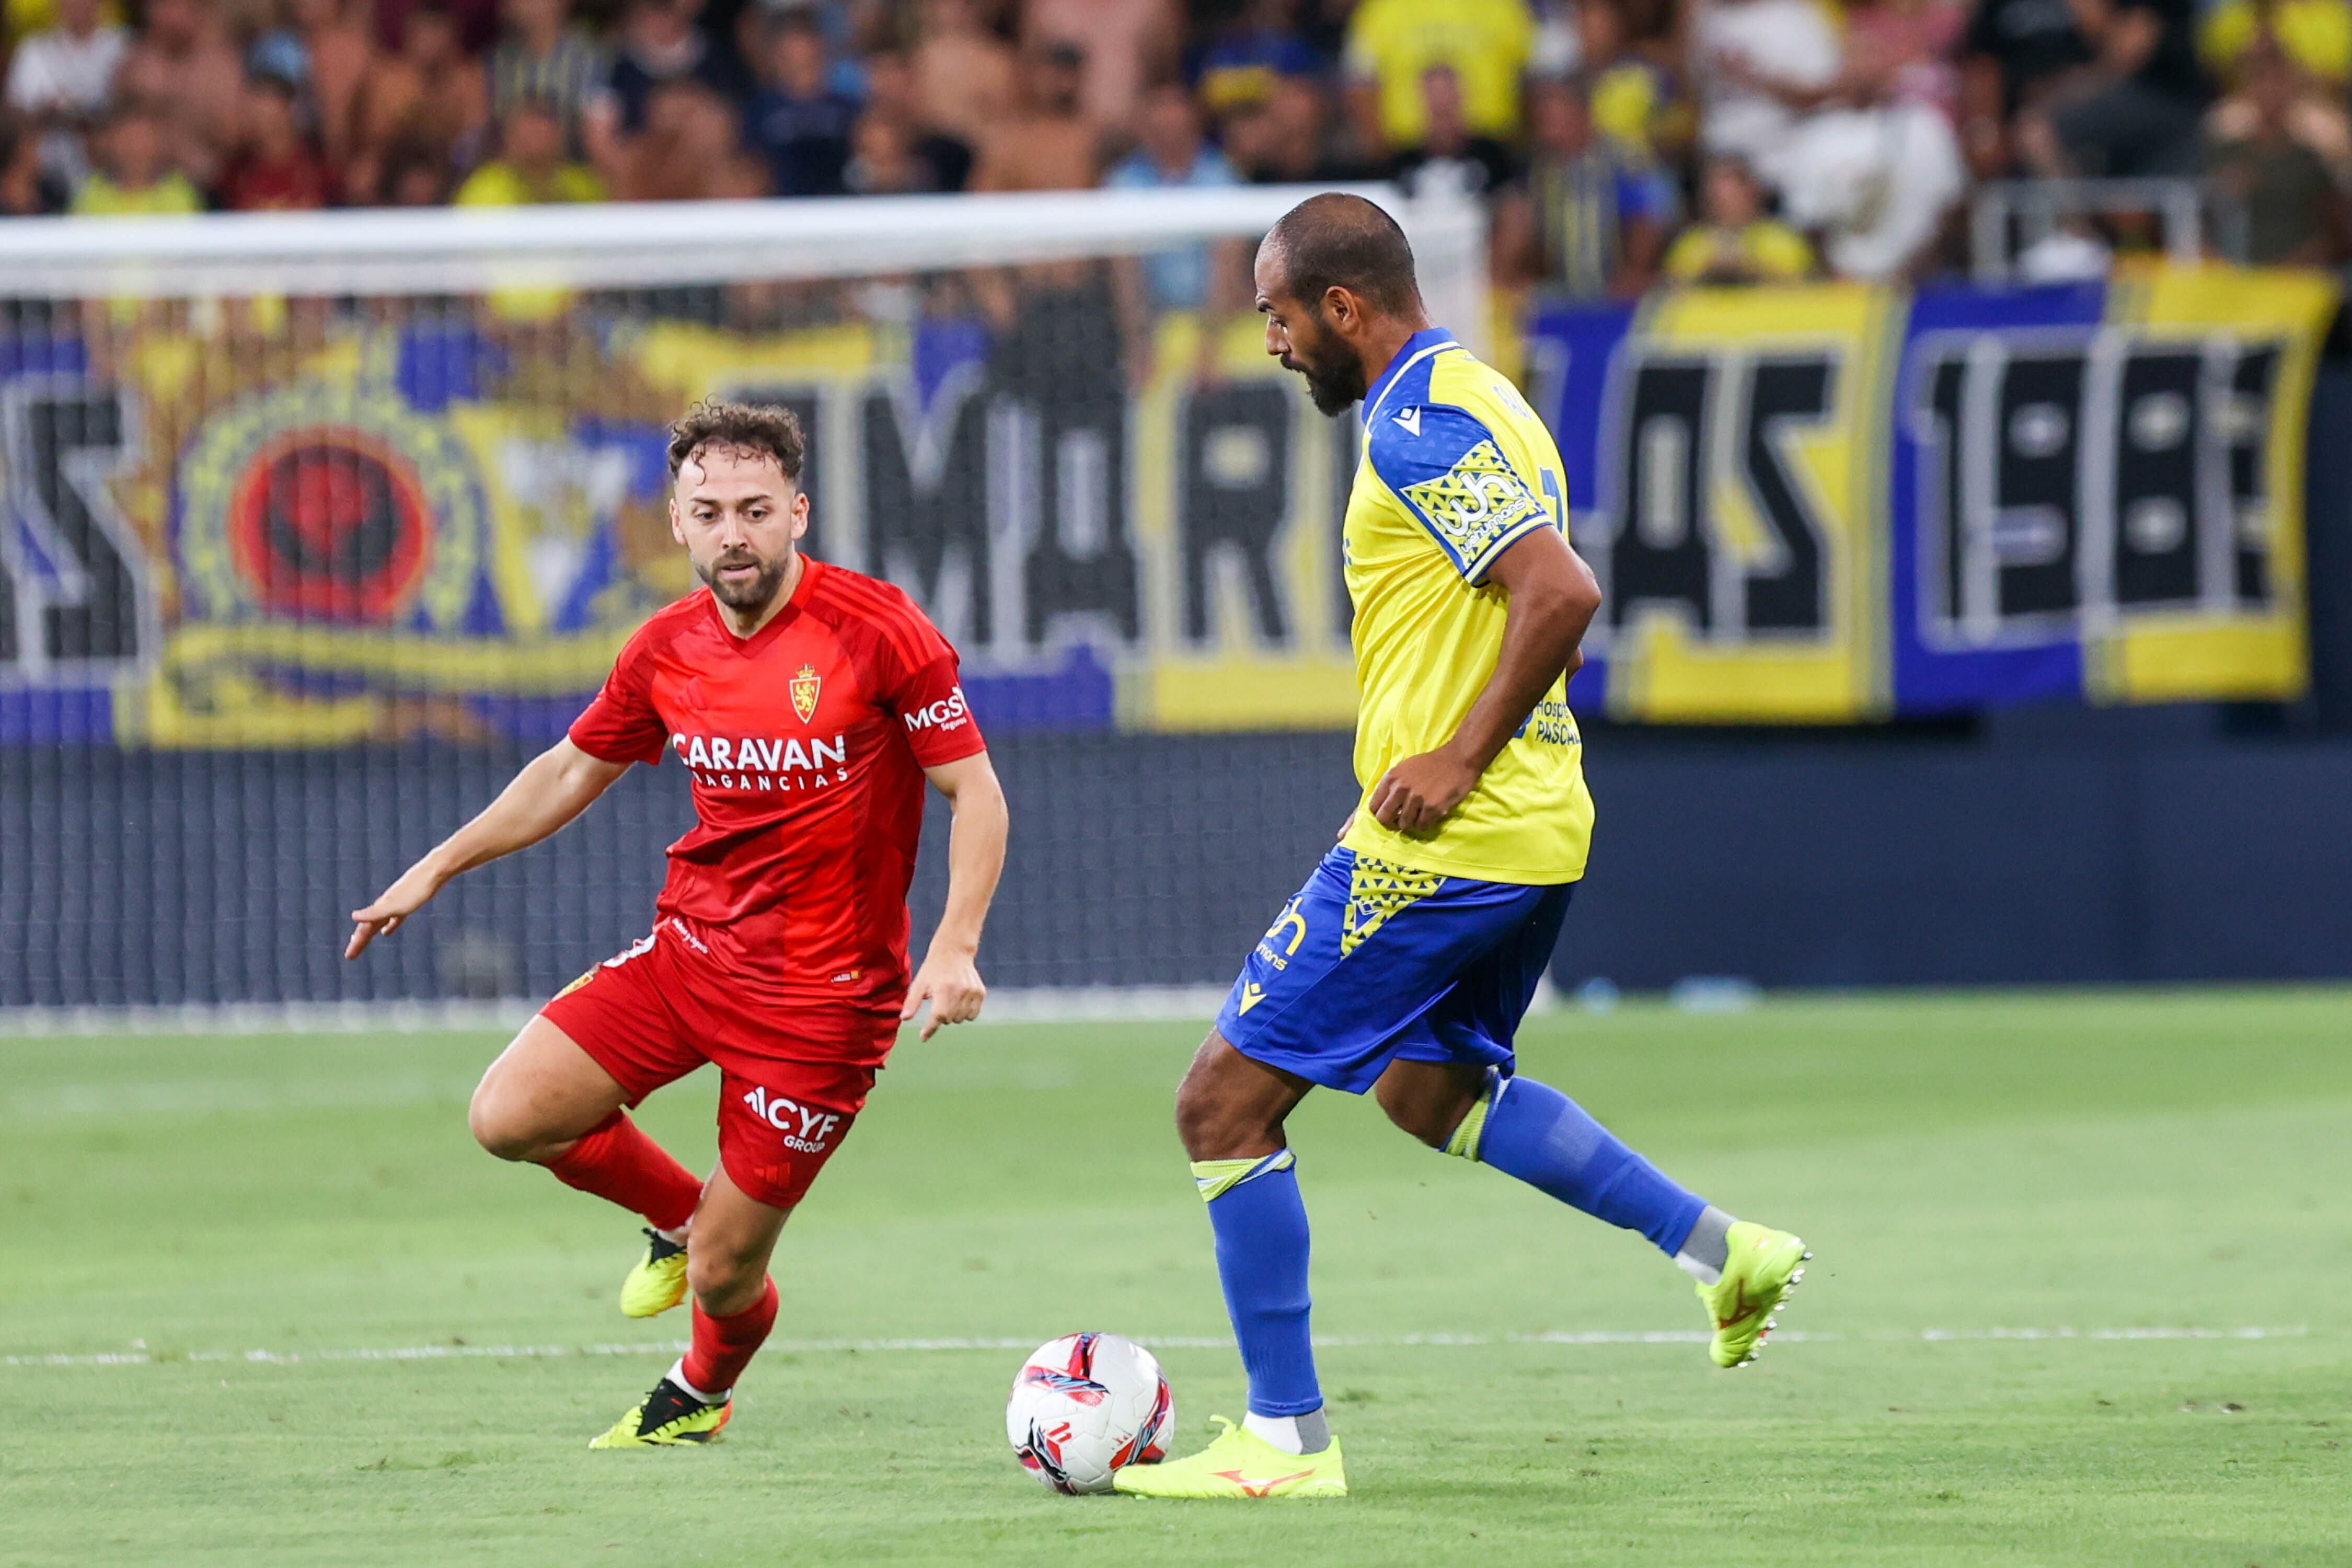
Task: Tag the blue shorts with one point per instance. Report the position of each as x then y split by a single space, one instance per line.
1373 961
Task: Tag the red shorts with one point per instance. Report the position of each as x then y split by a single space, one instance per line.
791 1078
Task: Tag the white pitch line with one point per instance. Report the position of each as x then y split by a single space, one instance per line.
1167 1342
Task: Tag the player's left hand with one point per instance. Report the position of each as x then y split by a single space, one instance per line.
950 982
1416 795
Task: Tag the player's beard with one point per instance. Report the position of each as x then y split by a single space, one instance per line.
749 596
1334 383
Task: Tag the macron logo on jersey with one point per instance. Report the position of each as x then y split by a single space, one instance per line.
945 714
1411 420
751 764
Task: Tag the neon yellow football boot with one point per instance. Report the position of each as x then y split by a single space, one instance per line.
1759 1276
1239 1464
658 1281
667 1417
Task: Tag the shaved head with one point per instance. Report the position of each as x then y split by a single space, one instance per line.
1335 284
1336 240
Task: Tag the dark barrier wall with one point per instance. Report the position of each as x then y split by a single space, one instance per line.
2055 846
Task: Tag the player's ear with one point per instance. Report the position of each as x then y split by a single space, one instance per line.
1339 310
800 511
676 526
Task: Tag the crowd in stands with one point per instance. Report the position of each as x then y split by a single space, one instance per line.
1618 143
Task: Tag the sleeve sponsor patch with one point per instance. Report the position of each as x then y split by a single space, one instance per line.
1474 505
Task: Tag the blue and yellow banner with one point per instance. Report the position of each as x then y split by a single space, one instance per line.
1840 503
288 526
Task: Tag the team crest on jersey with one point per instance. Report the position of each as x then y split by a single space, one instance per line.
805 687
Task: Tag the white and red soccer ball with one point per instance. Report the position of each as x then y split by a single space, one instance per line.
1084 1406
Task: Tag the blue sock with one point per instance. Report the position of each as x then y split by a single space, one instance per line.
1261 1227
1533 1132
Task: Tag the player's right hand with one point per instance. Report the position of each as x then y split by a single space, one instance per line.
394 904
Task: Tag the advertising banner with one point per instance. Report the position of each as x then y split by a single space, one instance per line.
1835 503
291 524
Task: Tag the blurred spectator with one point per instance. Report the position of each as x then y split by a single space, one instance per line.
2296 212
275 167
25 191
691 149
1124 43
325 52
477 22
533 164
58 81
1050 145
2015 55
2315 36
1287 140
411 177
884 160
2313 112
182 68
1734 241
1757 59
1906 51
427 101
540 58
1859 143
132 175
1592 214
1173 156
966 78
2136 108
890 95
1449 157
1248 53
798 122
661 42
1632 97
1392 45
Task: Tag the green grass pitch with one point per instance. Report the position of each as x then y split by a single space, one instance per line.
2093 1164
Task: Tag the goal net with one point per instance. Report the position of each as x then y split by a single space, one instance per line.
318 526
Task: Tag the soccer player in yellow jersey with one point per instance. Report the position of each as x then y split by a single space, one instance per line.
1404 964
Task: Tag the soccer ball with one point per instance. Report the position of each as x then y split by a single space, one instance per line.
1085 1405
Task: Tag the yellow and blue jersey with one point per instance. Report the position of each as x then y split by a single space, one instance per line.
1456 469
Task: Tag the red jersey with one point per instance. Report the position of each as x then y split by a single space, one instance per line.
806 743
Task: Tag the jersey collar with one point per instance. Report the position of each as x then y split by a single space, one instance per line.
1418 347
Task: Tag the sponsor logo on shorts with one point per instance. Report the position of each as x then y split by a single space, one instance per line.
807 1129
637 949
948 713
1279 945
685 934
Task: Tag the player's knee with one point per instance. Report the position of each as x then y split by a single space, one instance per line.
1208 1124
718 1273
496 1130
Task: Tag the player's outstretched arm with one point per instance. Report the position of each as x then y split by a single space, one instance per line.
1552 597
553 788
950 976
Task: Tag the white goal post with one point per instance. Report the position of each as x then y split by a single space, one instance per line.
627 245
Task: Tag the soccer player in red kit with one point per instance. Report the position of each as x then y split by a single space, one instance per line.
808 705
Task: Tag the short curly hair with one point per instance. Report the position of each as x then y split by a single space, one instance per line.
738 426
